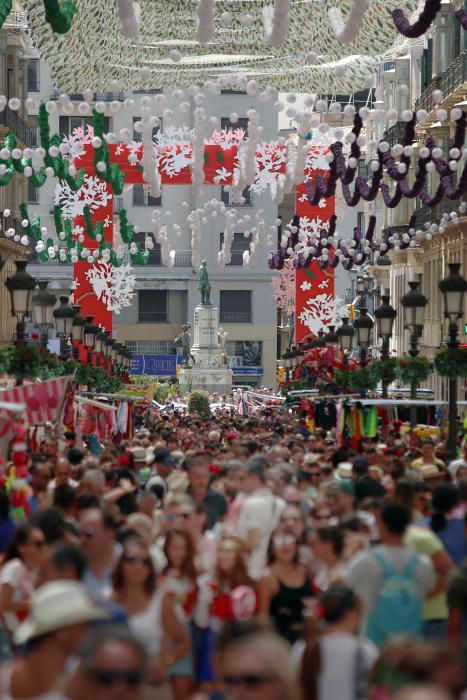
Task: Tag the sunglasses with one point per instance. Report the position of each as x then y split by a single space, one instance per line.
110 677
133 559
284 540
248 680
38 543
88 533
185 515
326 516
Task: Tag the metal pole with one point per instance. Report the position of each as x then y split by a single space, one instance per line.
362 364
413 352
452 414
385 356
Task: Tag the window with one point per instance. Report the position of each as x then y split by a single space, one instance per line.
152 91
33 76
33 193
242 123
33 122
235 306
245 353
226 197
142 198
154 254
137 136
152 306
151 347
239 245
361 223
67 125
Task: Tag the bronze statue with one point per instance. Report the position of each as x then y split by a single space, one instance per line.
184 339
203 284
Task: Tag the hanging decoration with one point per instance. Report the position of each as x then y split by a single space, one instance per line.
413 369
58 15
256 39
112 285
451 362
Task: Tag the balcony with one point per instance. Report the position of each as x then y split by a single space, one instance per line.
391 230
235 317
13 122
425 214
453 85
395 134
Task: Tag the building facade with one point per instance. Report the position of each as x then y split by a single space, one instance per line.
166 296
437 61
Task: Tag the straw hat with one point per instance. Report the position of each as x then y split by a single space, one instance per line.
56 605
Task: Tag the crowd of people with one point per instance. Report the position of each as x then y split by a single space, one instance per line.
245 558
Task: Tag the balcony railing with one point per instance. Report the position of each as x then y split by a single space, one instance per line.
453 77
235 316
391 230
23 132
395 134
425 214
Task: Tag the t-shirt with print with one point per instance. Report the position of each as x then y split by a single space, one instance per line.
423 540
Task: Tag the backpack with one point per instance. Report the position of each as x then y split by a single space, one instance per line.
399 606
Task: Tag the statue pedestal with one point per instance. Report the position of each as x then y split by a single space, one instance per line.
210 371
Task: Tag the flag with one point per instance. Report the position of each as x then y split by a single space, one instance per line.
43 400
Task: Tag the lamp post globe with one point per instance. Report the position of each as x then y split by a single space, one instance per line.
20 286
43 303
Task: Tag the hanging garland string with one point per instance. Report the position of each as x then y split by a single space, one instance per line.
5 9
59 16
110 172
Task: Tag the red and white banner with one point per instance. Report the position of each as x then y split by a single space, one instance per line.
314 287
43 400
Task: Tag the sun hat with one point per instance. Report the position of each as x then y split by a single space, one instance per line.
139 453
311 458
56 605
429 471
343 471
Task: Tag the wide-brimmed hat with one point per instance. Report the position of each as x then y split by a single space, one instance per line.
344 471
139 453
429 471
56 605
311 458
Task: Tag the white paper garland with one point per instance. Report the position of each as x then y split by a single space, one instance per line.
345 32
129 14
276 22
205 11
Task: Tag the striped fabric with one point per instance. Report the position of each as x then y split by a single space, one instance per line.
43 400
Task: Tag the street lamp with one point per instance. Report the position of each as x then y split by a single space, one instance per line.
90 333
453 288
331 338
20 286
414 303
64 321
385 316
320 341
363 326
301 353
78 328
345 334
43 303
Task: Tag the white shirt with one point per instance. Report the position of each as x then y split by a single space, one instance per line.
356 657
147 625
15 574
261 511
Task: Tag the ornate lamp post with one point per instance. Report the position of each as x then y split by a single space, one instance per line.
320 342
63 323
363 326
78 328
453 288
43 303
385 316
331 338
345 334
414 303
20 286
90 333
